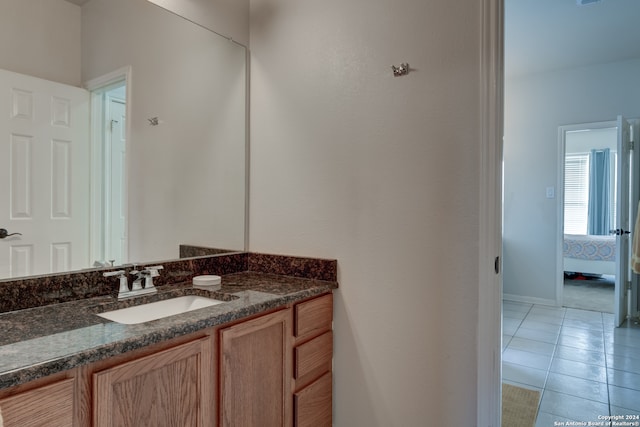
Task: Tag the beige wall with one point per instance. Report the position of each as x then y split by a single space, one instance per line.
382 173
41 38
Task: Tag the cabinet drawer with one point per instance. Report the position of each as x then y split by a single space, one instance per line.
313 404
314 317
48 406
314 356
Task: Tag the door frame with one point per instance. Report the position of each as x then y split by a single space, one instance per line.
562 144
98 87
491 130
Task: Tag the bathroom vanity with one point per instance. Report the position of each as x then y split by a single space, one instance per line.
263 357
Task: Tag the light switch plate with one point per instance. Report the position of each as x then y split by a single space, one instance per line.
551 192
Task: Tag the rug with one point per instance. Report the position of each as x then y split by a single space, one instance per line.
594 294
519 406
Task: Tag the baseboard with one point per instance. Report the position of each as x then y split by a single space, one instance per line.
529 300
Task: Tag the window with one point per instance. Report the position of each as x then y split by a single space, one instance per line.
614 190
576 193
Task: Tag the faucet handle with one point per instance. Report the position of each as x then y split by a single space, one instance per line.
113 273
124 283
137 283
150 273
153 271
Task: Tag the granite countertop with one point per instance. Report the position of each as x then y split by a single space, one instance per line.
41 341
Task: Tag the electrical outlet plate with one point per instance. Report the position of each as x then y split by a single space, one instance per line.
551 192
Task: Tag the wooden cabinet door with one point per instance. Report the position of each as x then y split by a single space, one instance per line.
172 388
255 372
47 406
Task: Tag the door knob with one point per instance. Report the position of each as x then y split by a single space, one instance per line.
4 233
619 232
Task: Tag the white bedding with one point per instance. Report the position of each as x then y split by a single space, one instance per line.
589 254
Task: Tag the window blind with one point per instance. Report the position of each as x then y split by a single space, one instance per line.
576 193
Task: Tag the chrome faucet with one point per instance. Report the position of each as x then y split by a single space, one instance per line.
124 284
142 285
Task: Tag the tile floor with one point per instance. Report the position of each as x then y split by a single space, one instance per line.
585 368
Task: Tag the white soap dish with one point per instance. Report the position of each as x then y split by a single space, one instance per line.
207 282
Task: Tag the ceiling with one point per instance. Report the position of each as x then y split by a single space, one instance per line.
543 35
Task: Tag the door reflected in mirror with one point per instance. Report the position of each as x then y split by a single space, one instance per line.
109 194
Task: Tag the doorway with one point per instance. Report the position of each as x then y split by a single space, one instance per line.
597 187
115 166
536 105
589 160
109 135
540 96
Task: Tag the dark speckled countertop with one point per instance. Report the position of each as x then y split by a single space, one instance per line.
39 341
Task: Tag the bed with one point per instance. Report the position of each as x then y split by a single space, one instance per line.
589 254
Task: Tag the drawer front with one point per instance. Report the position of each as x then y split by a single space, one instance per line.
314 356
313 404
314 317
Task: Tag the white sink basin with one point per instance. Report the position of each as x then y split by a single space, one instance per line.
158 310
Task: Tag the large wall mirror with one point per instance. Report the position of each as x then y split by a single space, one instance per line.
123 136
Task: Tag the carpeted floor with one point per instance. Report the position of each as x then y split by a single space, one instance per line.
594 294
519 406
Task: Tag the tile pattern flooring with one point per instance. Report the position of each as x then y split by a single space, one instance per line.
584 367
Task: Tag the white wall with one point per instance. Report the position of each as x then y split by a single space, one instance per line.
41 38
584 142
381 173
535 106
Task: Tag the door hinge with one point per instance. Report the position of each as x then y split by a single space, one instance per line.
628 286
632 145
496 265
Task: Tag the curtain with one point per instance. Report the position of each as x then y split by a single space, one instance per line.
598 217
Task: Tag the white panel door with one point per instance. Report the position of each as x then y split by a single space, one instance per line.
44 176
622 220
